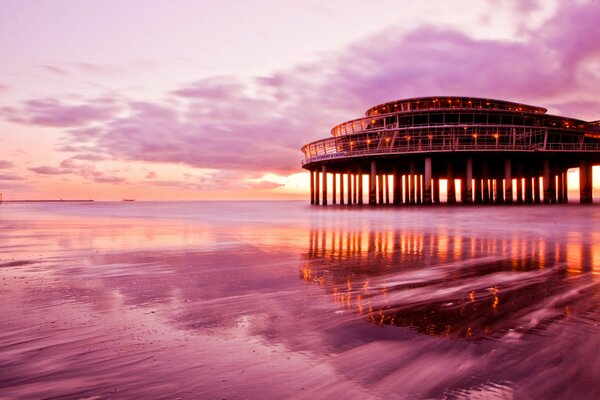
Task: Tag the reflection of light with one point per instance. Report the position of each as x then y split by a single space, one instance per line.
496 299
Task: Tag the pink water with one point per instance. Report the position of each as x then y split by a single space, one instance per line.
269 300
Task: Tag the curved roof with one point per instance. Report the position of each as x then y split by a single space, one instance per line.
450 102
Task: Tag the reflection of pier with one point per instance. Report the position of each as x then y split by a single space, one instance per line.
499 151
443 284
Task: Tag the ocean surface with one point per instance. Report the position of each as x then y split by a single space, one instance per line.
271 300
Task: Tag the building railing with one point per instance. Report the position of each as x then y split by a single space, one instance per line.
432 147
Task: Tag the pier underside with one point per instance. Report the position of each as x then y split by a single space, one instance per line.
469 177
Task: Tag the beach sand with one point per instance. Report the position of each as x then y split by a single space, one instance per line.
115 302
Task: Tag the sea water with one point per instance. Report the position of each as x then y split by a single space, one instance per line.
266 300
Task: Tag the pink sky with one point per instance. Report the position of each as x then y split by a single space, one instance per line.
204 100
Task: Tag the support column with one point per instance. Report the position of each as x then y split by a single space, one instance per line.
451 188
334 188
508 195
477 189
536 189
419 199
312 187
566 187
499 191
435 188
528 188
559 188
341 188
380 188
405 179
552 184
546 180
485 185
355 188
386 179
372 184
317 194
324 172
519 183
360 186
565 194
349 184
585 182
468 184
411 178
396 187
427 181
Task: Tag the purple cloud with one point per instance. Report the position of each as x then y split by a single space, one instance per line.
52 112
47 170
10 177
151 175
6 164
54 70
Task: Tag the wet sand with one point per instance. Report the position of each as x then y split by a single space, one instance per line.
279 300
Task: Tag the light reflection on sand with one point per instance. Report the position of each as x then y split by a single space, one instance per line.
385 304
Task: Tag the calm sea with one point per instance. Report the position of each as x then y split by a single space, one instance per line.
271 300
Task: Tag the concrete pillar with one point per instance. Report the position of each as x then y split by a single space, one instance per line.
559 188
508 195
419 191
342 188
519 187
546 180
427 181
468 184
566 186
380 188
499 191
435 189
552 184
405 180
386 179
585 182
372 184
324 172
317 191
451 188
536 189
360 186
334 188
312 187
356 188
412 180
396 187
349 183
528 188
477 190
485 184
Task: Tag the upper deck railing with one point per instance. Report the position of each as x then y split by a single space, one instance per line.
443 140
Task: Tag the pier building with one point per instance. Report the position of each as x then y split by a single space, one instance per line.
489 152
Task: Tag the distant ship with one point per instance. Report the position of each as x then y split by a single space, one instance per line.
128 199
